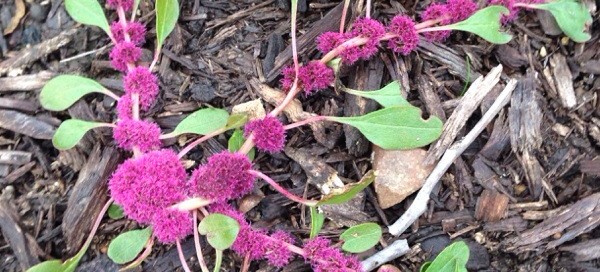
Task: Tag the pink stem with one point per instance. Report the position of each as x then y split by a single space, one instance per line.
289 246
142 256
111 94
294 90
304 122
282 190
247 146
195 143
294 45
197 244
524 5
435 28
368 11
88 241
344 14
431 22
338 50
186 268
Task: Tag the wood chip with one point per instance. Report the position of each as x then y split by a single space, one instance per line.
22 244
25 124
26 82
584 251
564 80
491 206
14 157
16 19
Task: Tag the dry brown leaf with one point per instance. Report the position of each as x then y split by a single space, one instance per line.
16 19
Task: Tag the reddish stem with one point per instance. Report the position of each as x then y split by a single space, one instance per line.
142 256
195 143
304 122
88 241
344 14
283 191
246 263
186 268
197 244
368 11
356 41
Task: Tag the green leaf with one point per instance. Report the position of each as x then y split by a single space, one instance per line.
236 120
425 266
452 259
167 13
115 211
220 230
202 122
70 132
316 222
399 127
87 12
361 238
485 23
236 141
48 266
128 245
572 17
387 96
349 191
63 91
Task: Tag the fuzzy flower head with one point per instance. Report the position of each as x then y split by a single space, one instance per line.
170 225
124 53
312 77
146 185
269 135
323 257
141 81
407 39
459 10
329 41
433 12
277 253
136 31
124 107
130 133
225 176
368 28
127 5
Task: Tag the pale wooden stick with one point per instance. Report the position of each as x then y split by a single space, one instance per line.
393 251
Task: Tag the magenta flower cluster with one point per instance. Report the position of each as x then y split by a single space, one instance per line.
269 134
130 133
510 5
325 258
312 77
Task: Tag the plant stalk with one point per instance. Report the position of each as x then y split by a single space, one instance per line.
283 191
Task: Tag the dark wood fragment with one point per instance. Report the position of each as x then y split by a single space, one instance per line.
17 173
88 196
525 116
169 261
25 124
318 172
18 104
28 55
591 167
26 82
584 251
367 76
499 139
446 56
99 264
515 223
4 170
306 43
548 23
14 157
491 206
23 245
430 98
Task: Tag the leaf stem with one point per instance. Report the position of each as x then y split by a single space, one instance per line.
218 260
368 9
191 204
109 93
142 256
304 122
195 143
186 268
97 224
344 14
197 244
283 191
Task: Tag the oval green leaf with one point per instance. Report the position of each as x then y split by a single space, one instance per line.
349 191
361 238
220 230
387 96
63 91
202 122
572 17
452 259
236 141
48 266
485 23
70 132
115 211
87 12
167 13
399 127
316 222
128 245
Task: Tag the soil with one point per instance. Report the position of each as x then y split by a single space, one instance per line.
525 195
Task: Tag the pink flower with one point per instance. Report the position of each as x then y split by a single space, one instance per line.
124 107
124 53
141 81
329 41
407 39
269 134
145 185
312 77
277 254
130 133
136 31
170 225
459 10
325 258
433 12
225 176
127 5
364 27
